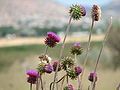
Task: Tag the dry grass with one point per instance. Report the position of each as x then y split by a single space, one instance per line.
15 79
28 41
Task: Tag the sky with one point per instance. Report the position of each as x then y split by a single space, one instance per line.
84 2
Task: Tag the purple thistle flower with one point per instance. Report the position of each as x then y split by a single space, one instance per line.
77 44
32 76
32 73
69 87
78 70
48 68
52 39
92 76
54 64
53 36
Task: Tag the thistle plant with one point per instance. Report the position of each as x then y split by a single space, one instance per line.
32 77
95 15
69 64
76 12
98 59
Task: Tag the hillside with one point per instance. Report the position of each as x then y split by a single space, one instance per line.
42 13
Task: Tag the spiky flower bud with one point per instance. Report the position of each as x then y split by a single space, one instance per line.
71 73
40 68
67 62
76 49
92 77
96 12
77 11
78 70
69 87
48 68
54 64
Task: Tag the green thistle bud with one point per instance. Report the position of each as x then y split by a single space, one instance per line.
77 11
76 49
71 73
67 62
40 68
96 12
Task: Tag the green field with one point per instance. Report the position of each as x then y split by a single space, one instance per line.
14 61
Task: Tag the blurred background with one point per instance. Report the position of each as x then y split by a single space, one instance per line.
24 23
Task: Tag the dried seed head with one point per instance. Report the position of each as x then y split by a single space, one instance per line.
96 12
77 11
45 58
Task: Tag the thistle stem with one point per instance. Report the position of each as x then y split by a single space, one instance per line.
40 78
37 83
118 87
79 83
103 44
78 76
30 86
87 52
61 51
46 49
41 83
57 81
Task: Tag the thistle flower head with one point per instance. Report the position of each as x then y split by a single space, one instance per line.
55 63
52 39
96 12
69 87
32 73
77 11
48 68
76 49
78 70
92 77
45 58
71 73
32 76
67 62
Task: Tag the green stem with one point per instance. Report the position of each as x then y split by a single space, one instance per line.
46 49
61 51
39 78
30 86
87 52
78 76
37 83
57 81
103 44
41 83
